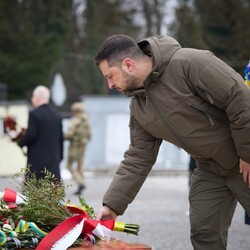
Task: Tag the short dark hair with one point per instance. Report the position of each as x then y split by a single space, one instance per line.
117 47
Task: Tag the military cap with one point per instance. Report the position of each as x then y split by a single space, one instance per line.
77 107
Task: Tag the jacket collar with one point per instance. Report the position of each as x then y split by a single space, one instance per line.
161 49
137 92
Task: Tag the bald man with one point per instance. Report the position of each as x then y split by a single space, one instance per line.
44 136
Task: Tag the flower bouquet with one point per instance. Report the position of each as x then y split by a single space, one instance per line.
40 218
14 130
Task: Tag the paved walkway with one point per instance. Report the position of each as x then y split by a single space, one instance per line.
160 209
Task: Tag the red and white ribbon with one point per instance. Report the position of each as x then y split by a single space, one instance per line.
67 232
11 196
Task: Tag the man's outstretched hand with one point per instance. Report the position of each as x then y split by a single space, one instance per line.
245 171
106 213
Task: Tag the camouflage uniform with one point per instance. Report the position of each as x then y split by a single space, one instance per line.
78 134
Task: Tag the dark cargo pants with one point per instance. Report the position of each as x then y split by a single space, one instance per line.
212 204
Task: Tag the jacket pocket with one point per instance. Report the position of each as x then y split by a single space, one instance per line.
208 95
203 112
191 118
205 94
181 124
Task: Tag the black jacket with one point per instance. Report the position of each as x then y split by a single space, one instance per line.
44 140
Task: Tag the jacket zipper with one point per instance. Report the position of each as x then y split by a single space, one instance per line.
211 101
210 96
203 112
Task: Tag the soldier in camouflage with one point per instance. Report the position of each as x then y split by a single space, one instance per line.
78 134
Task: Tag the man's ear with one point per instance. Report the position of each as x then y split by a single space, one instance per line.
128 64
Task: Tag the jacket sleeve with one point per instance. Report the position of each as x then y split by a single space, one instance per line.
31 132
223 87
133 170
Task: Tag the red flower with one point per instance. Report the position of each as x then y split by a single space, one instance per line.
10 123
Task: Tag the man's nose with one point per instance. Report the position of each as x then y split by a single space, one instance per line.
111 85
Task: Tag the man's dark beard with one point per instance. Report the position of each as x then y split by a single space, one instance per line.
130 80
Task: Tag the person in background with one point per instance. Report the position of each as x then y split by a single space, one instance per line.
190 98
191 167
78 134
44 136
247 219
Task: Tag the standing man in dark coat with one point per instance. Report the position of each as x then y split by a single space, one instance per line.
44 136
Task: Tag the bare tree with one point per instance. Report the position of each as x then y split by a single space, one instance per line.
153 12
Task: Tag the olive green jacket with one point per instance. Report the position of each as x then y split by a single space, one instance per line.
191 99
